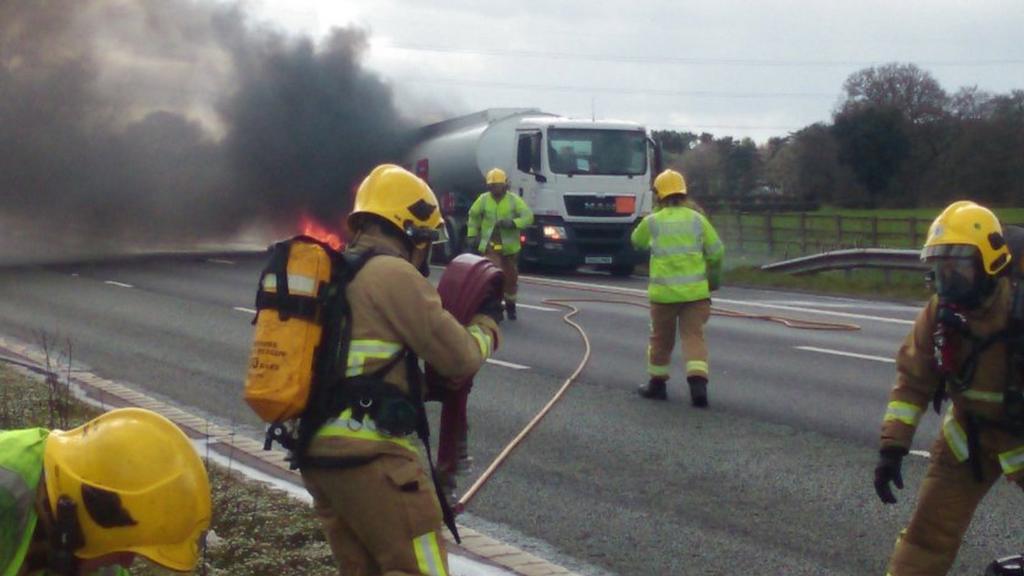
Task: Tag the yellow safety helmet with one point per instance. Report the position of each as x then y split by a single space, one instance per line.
496 176
964 225
402 198
138 486
669 183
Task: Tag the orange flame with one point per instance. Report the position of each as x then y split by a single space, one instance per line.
314 229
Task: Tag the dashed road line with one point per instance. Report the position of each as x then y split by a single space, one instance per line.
921 453
511 365
118 284
846 354
243 309
221 261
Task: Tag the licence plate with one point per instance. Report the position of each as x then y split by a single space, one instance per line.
598 260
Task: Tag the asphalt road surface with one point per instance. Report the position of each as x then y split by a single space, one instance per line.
774 479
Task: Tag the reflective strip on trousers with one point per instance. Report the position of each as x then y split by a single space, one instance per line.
697 367
679 280
428 555
296 284
345 426
361 350
955 437
904 412
1012 461
13 484
996 397
483 340
654 369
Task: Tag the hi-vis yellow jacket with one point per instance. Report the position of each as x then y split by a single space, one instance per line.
917 380
686 254
484 215
395 307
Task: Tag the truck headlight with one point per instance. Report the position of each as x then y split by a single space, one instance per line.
554 232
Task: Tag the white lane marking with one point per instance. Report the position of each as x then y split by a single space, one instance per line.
847 354
623 290
854 305
507 364
921 453
220 261
246 310
118 284
541 308
813 311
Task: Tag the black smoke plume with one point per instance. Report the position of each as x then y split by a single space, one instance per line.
138 122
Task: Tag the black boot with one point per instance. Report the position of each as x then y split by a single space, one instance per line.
653 390
510 309
698 391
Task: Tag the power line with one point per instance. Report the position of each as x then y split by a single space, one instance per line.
610 90
678 60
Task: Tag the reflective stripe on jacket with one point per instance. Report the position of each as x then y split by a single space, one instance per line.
485 213
21 467
917 380
685 252
395 308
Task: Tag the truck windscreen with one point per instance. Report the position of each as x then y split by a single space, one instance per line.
595 151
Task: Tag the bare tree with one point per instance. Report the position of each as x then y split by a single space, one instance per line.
904 87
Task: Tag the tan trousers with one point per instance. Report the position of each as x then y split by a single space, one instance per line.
690 318
945 504
509 264
381 518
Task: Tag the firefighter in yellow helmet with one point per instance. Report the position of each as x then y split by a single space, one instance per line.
89 500
962 347
686 261
372 491
496 220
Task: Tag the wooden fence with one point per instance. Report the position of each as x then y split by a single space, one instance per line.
794 234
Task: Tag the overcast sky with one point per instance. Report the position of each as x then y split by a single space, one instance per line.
728 67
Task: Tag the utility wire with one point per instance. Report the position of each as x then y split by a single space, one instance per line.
610 90
682 60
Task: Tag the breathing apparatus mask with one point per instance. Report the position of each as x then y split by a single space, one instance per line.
422 241
955 272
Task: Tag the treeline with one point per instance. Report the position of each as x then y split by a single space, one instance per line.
897 139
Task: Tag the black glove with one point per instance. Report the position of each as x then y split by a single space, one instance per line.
492 307
507 223
889 469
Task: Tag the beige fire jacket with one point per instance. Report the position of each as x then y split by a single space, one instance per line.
394 307
917 379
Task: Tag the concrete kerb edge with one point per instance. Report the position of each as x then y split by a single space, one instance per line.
250 453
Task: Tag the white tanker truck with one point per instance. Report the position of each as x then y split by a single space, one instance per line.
587 182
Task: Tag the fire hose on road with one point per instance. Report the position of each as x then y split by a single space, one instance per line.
568 304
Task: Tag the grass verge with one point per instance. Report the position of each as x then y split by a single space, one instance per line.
901 285
257 531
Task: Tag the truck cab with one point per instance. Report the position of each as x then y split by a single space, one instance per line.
588 182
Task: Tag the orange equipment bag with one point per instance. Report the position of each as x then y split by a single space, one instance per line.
294 288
